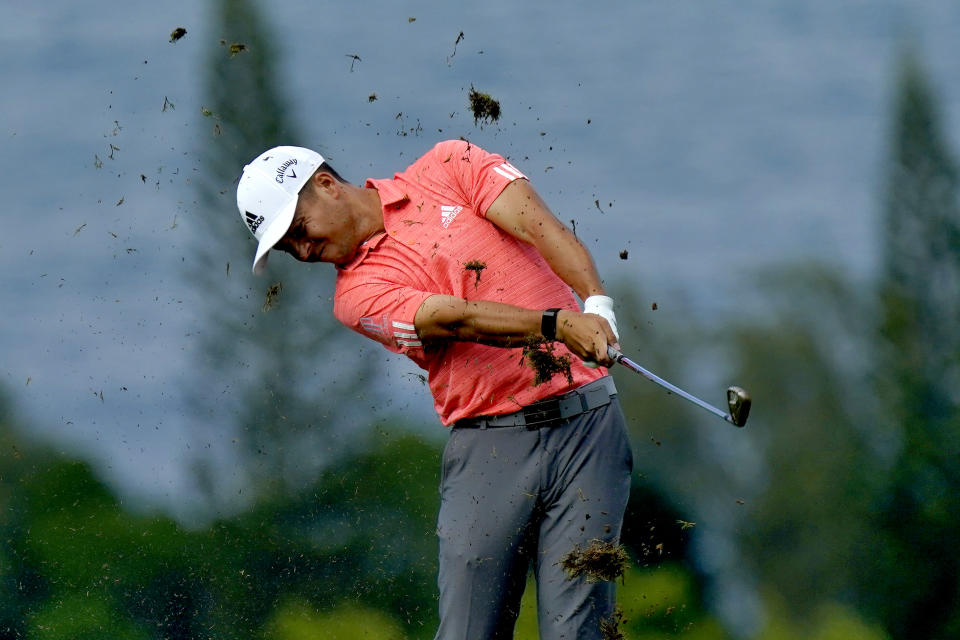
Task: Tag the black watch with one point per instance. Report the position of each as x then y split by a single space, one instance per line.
548 324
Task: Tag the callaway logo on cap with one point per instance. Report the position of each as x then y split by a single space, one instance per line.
268 191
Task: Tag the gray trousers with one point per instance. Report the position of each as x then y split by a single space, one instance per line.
511 496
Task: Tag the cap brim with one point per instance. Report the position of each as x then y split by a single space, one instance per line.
272 235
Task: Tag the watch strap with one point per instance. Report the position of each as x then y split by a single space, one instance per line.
548 324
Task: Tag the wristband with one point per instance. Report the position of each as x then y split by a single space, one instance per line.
603 307
548 324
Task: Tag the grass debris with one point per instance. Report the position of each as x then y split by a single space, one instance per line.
460 37
601 560
234 48
484 107
538 354
476 266
610 627
273 292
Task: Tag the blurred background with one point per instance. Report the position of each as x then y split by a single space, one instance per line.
769 190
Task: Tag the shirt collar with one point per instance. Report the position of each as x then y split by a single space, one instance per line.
391 198
391 195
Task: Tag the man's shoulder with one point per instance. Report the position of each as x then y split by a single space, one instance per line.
453 150
453 144
440 166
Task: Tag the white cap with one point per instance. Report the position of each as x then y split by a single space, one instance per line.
268 192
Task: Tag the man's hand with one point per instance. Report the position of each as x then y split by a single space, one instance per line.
603 307
586 335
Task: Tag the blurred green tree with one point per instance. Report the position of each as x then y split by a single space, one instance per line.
271 375
782 507
684 487
21 585
804 530
859 502
75 562
916 587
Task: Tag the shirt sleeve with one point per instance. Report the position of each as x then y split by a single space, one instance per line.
380 307
478 175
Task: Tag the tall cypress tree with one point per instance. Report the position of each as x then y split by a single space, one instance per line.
918 593
273 376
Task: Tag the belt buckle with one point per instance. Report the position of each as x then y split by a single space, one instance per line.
541 412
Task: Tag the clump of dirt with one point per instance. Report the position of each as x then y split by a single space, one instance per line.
483 107
272 294
476 266
538 355
601 560
624 254
177 33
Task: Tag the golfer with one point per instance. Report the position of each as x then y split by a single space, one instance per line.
458 264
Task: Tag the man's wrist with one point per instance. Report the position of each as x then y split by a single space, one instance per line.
548 324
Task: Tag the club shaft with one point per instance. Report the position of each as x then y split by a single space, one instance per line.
649 375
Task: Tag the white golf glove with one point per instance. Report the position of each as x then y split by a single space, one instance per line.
603 307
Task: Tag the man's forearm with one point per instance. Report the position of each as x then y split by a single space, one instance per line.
443 317
571 261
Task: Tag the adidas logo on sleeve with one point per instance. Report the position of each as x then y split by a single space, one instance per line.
509 171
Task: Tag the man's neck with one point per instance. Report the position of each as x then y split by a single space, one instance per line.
371 209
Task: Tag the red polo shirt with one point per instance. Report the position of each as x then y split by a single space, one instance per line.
437 241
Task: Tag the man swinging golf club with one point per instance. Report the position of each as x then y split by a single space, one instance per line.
457 263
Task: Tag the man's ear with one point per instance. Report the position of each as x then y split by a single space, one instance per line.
325 183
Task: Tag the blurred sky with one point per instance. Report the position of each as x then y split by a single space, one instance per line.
710 141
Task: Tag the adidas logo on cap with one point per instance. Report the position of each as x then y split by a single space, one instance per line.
253 221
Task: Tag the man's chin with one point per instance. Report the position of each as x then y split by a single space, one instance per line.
325 256
318 256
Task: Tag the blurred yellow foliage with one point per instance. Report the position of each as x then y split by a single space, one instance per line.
299 620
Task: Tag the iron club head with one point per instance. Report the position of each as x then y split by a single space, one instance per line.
738 400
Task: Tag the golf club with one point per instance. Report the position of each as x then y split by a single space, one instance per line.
738 400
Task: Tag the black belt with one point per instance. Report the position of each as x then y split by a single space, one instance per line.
590 396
